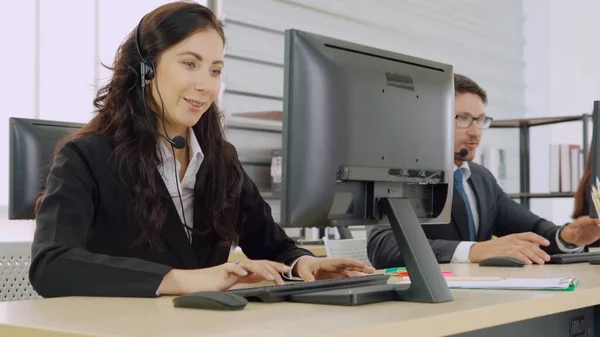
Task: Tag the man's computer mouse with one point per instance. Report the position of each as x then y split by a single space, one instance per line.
501 261
211 300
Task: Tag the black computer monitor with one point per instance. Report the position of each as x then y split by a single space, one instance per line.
32 143
368 139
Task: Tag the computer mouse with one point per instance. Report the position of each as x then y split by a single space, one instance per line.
501 261
211 300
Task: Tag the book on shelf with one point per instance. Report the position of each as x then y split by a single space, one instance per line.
566 167
502 163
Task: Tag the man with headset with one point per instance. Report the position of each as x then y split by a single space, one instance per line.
481 209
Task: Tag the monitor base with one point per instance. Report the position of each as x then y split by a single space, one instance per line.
427 282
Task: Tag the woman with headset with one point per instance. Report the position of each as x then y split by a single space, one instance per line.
148 198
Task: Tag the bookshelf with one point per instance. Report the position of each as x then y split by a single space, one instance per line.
524 125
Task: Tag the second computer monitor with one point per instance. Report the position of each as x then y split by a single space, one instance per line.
360 124
32 144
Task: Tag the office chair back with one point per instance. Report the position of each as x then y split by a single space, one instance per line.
354 248
15 258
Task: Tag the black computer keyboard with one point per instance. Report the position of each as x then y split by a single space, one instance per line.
574 257
278 293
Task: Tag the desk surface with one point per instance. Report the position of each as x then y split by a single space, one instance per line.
157 317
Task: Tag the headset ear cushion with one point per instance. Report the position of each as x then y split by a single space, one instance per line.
149 70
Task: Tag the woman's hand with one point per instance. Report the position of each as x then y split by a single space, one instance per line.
221 277
259 270
314 268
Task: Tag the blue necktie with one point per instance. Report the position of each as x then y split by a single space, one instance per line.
458 183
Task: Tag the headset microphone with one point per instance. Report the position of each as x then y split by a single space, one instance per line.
177 142
462 153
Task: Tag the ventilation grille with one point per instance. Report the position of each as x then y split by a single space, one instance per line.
14 273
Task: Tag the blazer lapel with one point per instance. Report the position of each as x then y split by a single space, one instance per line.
459 215
174 232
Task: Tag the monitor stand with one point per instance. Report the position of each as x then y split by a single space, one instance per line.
427 282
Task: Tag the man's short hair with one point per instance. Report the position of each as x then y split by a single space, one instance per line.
465 85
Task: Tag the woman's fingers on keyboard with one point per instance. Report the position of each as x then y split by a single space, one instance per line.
280 267
262 268
351 264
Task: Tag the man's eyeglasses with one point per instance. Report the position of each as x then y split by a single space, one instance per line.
465 121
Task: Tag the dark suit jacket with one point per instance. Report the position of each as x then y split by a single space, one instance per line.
498 215
82 243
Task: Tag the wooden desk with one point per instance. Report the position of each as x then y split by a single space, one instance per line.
470 310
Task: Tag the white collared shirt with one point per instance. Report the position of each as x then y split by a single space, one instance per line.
461 254
170 175
169 172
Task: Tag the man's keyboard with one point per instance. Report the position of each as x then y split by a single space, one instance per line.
574 257
278 293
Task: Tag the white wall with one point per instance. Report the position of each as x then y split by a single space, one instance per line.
536 51
479 38
53 63
575 52
66 60
562 78
20 84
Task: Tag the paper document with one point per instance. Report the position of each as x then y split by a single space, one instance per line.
563 283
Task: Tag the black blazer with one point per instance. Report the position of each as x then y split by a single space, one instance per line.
498 215
83 239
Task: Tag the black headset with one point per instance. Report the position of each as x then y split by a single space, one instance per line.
147 72
146 66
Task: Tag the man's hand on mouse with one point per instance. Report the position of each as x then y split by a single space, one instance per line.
583 231
522 246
